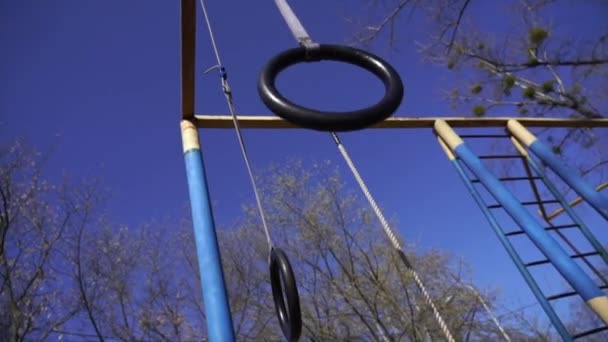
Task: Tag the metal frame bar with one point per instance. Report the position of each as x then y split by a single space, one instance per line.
215 296
274 122
188 54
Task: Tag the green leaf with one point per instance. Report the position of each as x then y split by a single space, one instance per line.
533 61
508 82
537 35
547 87
529 92
557 150
451 63
476 89
479 110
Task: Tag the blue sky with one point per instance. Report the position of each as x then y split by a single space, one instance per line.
98 85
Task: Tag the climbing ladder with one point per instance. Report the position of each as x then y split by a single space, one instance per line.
474 172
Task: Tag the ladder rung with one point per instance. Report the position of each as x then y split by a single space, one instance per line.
513 233
569 294
562 295
518 178
537 263
590 332
562 226
553 201
505 179
485 136
546 261
501 156
496 206
558 227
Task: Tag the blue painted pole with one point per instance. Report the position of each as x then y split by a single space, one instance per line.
217 309
570 270
597 200
542 300
562 200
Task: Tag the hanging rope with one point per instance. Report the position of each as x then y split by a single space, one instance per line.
229 100
282 280
394 241
343 121
298 31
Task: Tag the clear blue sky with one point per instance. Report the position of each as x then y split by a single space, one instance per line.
98 84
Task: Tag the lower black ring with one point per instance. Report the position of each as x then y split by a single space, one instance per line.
281 277
331 121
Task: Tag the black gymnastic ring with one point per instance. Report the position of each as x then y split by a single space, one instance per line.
281 276
331 121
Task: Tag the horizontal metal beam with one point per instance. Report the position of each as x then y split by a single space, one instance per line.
274 122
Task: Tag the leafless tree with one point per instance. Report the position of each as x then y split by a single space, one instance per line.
34 219
134 284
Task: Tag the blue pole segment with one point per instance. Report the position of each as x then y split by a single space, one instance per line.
217 309
569 211
597 200
544 303
575 276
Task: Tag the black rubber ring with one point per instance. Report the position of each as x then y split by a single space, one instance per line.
331 121
281 277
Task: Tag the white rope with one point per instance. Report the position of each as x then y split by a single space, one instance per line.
230 102
490 313
294 24
391 236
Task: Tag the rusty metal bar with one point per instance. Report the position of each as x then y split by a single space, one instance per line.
273 122
188 57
